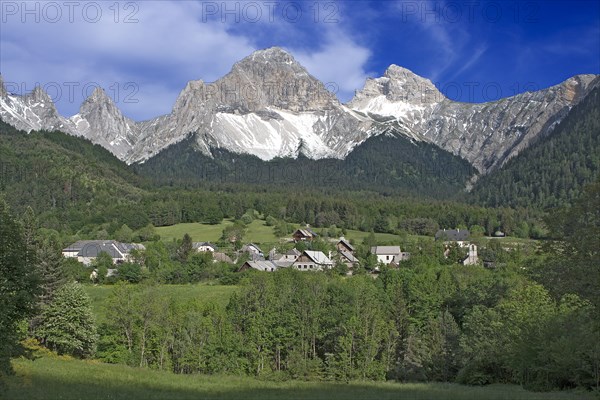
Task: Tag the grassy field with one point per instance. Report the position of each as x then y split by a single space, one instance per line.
53 378
259 233
217 294
198 232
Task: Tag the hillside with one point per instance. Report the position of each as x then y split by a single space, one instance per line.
553 171
388 164
63 178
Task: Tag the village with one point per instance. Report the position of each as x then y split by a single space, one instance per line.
299 257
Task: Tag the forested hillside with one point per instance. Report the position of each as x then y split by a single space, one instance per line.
78 188
386 164
67 180
553 171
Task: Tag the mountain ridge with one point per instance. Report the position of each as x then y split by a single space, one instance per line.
270 106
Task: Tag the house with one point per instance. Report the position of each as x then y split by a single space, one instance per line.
86 251
253 251
345 253
348 258
471 258
344 245
204 247
389 255
261 265
305 234
312 261
453 235
289 256
461 238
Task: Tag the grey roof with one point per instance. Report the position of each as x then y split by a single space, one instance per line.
317 257
92 248
77 246
385 250
452 235
262 265
346 243
306 232
293 252
349 256
113 249
132 246
197 245
247 246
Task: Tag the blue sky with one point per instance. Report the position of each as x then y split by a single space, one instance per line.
143 52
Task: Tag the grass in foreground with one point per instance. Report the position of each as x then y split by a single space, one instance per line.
52 378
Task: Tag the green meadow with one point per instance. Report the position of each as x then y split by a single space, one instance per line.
52 378
258 232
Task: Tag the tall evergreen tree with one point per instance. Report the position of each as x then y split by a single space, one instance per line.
18 286
68 325
184 250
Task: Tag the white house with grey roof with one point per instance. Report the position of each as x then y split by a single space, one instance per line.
86 251
461 238
253 251
389 255
312 261
202 247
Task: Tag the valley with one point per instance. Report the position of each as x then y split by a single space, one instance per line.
299 208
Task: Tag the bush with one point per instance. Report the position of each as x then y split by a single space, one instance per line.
247 219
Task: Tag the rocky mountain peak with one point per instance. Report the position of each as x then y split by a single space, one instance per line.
101 121
39 95
98 100
275 54
3 92
397 86
194 92
405 85
272 77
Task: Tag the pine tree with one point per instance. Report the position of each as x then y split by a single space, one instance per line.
68 325
184 250
18 286
50 271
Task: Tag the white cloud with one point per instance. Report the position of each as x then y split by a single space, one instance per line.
340 63
168 46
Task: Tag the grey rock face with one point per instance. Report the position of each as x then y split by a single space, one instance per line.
100 121
3 92
485 134
268 105
33 111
